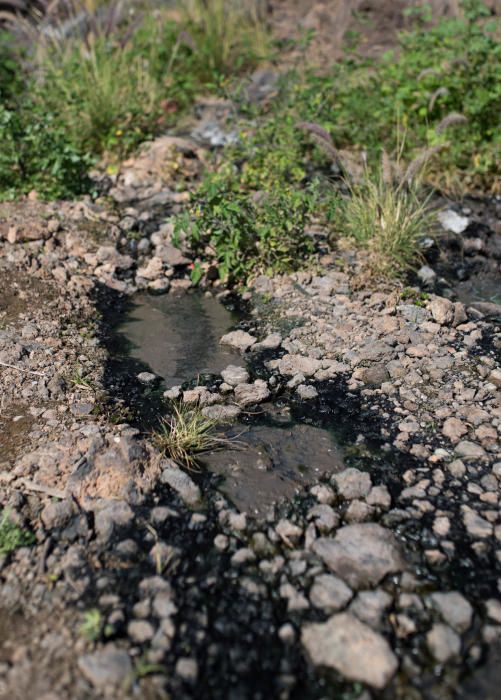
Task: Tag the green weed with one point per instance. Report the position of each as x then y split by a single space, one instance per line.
12 536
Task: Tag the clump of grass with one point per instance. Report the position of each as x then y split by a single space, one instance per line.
388 218
12 536
228 35
186 434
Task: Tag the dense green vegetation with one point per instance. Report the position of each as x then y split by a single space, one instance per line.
66 102
96 94
434 104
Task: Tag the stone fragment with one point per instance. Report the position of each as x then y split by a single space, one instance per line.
238 339
247 394
379 496
351 648
325 518
352 483
223 414
306 392
288 532
475 524
329 593
58 514
187 669
454 609
234 375
180 482
469 450
372 376
451 221
110 515
454 429
147 378
108 666
442 310
443 643
369 606
140 631
361 554
290 365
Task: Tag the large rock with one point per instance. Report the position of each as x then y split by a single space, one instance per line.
290 365
454 609
352 483
351 648
247 394
238 339
109 666
361 554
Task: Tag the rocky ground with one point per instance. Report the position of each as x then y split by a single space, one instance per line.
380 579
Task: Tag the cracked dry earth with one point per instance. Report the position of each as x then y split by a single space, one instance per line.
379 578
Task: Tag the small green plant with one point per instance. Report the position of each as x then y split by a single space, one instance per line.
92 625
186 434
79 381
12 536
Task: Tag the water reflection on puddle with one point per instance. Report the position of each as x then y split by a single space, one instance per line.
272 463
177 335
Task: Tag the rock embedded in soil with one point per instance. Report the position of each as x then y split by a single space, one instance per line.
180 482
443 643
361 554
241 340
106 667
351 648
234 375
247 394
454 609
352 483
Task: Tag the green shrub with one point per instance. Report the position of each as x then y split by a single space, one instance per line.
37 154
245 235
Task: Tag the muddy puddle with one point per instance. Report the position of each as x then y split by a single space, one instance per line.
270 457
272 461
177 335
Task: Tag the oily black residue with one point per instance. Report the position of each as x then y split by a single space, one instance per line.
231 632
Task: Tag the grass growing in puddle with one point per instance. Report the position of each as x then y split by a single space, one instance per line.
186 434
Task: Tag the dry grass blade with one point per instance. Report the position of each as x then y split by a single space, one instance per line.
419 163
186 434
322 138
440 92
427 71
451 119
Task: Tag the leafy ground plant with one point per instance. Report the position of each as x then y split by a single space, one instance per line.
244 234
186 434
11 535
